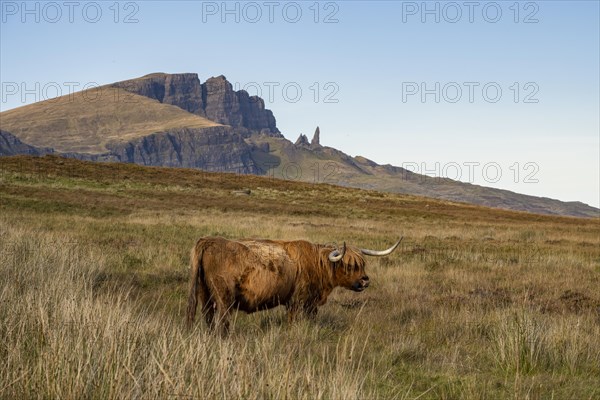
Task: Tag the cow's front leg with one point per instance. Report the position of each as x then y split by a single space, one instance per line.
310 310
292 309
208 310
220 321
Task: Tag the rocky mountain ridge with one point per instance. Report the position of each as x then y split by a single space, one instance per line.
175 120
214 99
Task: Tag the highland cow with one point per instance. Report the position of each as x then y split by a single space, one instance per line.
252 275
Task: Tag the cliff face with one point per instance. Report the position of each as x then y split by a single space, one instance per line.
222 104
10 145
181 90
219 148
214 99
238 109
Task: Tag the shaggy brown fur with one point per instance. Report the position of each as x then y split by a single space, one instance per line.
252 275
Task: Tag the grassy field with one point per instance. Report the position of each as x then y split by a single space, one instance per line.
476 304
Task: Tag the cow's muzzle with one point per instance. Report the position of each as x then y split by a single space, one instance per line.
361 284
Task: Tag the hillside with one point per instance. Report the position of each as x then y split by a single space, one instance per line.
177 121
477 303
89 121
315 163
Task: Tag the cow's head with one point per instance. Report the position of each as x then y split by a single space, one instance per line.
349 265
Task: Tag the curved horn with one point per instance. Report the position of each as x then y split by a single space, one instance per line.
381 253
336 256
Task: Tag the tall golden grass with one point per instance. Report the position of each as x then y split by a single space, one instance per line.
477 303
61 339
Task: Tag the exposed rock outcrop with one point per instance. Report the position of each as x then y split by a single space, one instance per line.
314 144
238 109
254 114
302 141
222 103
11 145
181 90
316 140
219 148
215 99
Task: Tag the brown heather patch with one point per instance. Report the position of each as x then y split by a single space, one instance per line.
577 302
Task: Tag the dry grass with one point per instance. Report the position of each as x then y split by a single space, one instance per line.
63 339
478 303
84 122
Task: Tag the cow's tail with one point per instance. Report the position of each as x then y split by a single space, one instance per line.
196 284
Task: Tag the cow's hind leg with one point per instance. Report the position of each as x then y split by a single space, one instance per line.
220 308
209 313
204 297
221 318
208 307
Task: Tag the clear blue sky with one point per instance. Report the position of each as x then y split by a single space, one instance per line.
370 62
